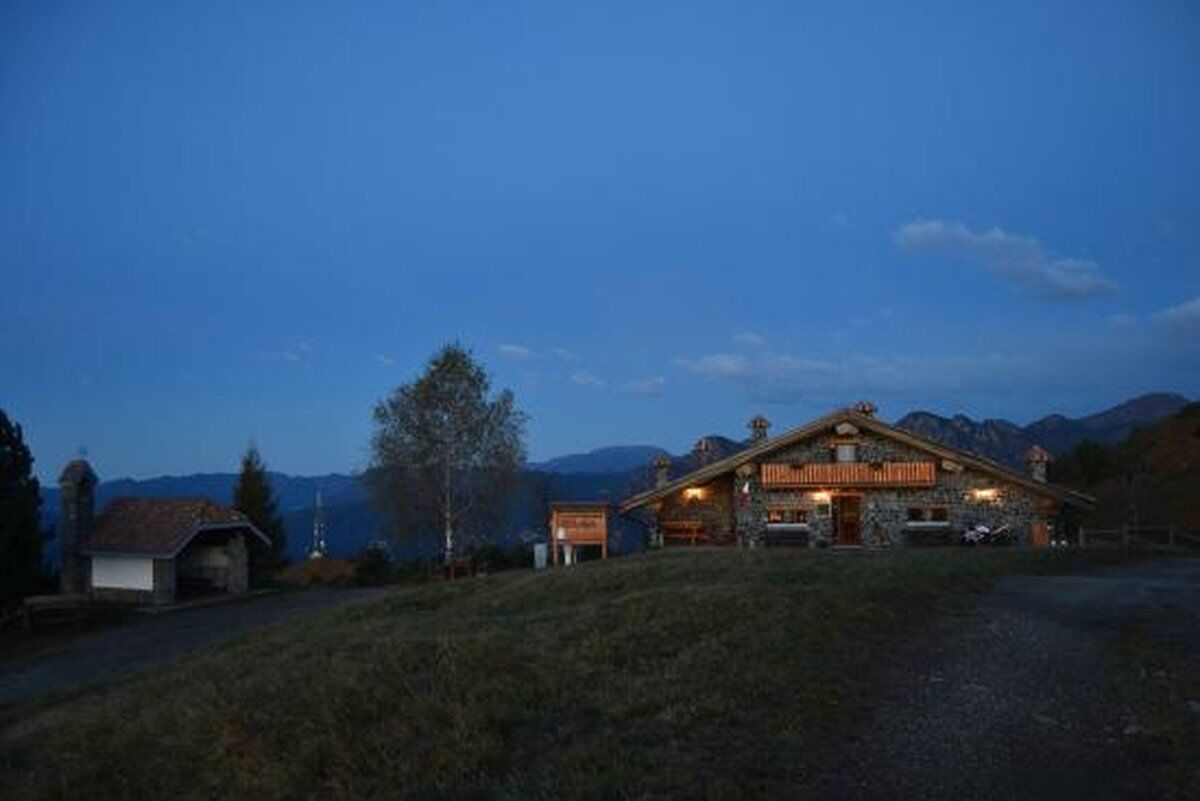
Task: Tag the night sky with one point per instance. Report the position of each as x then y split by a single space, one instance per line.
231 221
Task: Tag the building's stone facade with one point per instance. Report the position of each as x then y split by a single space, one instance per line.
734 507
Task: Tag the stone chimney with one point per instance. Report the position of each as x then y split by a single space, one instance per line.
78 485
703 451
759 427
1038 458
865 408
662 470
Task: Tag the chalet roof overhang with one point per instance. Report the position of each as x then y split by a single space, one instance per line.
180 543
757 451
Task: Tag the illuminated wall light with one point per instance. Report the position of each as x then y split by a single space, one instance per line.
820 497
985 495
694 493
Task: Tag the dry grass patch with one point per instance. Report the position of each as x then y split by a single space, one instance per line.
704 674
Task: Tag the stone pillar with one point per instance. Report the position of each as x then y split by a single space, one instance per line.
750 514
654 537
164 581
239 565
77 511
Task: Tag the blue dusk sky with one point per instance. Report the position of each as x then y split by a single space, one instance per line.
224 221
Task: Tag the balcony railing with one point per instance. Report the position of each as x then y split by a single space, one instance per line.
850 474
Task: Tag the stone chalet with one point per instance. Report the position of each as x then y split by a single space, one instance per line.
848 479
150 550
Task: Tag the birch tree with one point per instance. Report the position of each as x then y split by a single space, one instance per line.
445 453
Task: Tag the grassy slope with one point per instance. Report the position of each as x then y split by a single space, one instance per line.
711 674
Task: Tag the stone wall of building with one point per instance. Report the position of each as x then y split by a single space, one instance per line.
884 511
750 505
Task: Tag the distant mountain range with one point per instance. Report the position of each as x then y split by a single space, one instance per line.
609 474
1007 442
616 459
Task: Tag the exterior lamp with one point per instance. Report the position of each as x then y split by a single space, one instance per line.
820 497
989 495
694 493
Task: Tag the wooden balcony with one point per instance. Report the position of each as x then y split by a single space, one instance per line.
850 474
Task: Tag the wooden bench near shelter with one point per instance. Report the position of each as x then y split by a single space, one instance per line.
689 531
54 610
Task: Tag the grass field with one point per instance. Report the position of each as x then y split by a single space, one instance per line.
704 674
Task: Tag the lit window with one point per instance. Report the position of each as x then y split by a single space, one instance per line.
928 514
846 452
785 515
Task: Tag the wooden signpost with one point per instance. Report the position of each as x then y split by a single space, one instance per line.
573 525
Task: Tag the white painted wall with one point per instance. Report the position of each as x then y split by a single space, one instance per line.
123 572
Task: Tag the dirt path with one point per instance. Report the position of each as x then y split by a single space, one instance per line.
1014 697
66 663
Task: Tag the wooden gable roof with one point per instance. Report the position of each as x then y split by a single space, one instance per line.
866 423
160 526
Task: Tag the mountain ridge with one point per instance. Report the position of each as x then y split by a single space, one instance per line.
608 474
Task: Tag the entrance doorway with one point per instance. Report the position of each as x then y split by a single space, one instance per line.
847 515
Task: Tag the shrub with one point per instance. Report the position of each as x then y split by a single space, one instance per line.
318 571
374 567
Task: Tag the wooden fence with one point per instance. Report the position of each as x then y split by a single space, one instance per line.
1181 537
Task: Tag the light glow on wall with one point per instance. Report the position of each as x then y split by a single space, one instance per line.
694 493
820 497
988 495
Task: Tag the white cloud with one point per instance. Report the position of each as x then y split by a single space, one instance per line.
294 354
1017 258
518 353
386 361
585 379
646 386
1183 318
787 377
750 339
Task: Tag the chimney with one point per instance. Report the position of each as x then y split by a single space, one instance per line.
1038 457
865 408
662 470
78 484
758 428
703 451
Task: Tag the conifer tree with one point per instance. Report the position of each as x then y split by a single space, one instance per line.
21 569
254 498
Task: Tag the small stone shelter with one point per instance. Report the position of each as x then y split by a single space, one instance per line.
150 550
848 479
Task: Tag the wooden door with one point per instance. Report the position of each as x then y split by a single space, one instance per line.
848 511
1039 535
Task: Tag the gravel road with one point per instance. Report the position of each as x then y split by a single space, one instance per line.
1013 696
67 662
